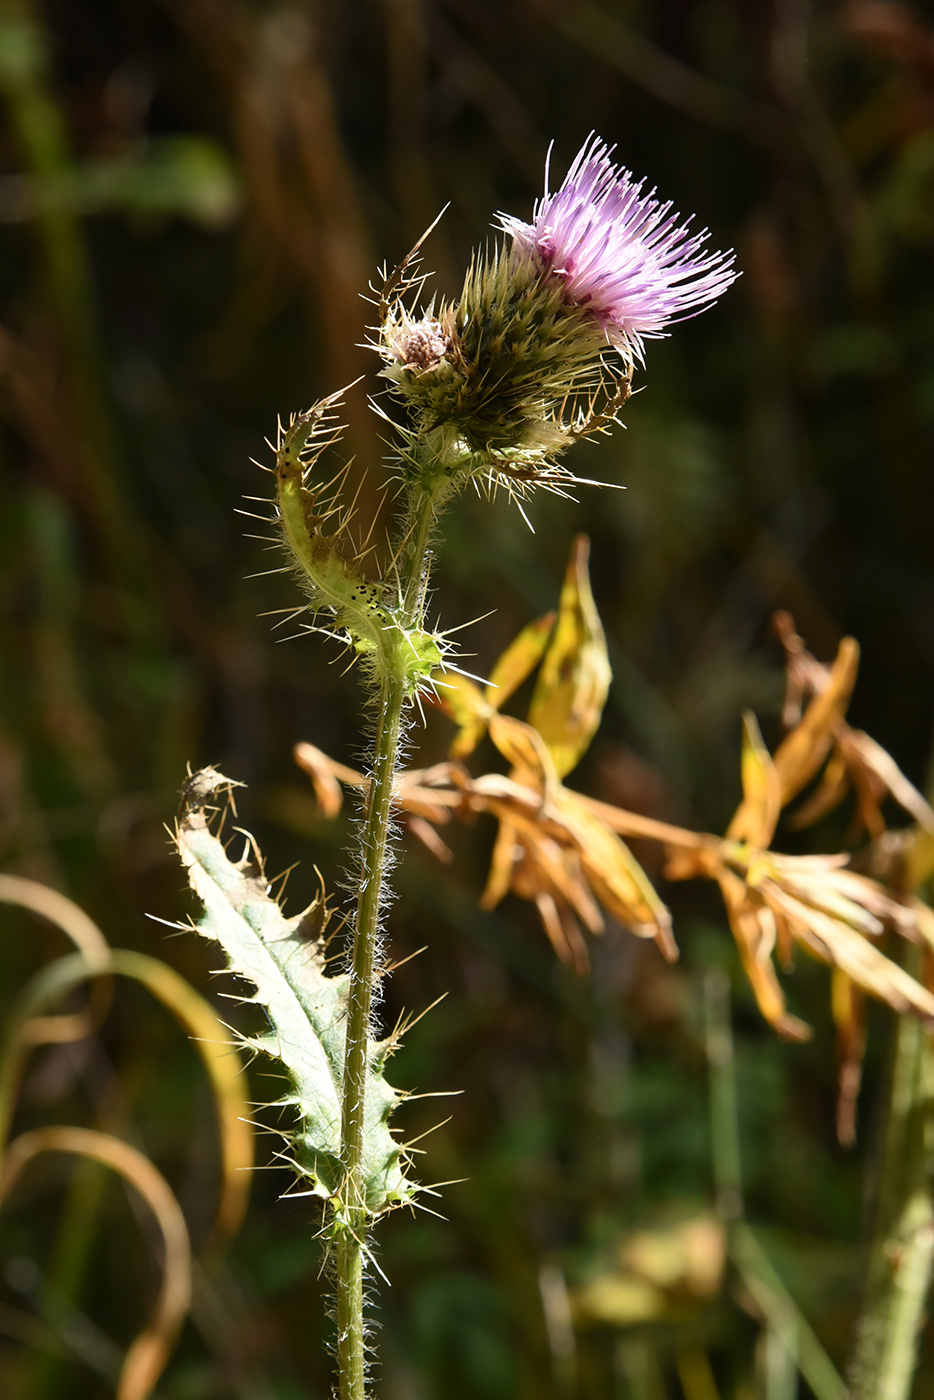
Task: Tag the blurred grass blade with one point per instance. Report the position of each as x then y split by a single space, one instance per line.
210 1037
849 1014
784 1315
224 1068
746 1253
58 909
147 1356
84 934
696 1374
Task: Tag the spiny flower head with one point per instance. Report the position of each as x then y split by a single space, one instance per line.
538 350
625 256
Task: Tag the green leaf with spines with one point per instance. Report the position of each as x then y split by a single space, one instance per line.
284 959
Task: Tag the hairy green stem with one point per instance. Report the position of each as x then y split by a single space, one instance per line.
424 510
902 1245
353 1223
352 1240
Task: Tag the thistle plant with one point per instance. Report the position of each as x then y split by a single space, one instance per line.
489 389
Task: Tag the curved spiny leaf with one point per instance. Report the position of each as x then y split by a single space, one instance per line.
284 959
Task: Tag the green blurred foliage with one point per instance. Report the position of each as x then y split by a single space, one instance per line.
193 195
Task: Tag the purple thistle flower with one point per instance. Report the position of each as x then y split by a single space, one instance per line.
622 254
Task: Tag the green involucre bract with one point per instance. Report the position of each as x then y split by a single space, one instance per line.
509 359
367 614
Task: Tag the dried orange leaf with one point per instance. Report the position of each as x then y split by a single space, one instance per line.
830 792
320 770
423 831
755 938
523 747
499 880
835 942
757 815
563 933
575 675
860 749
802 752
617 878
556 870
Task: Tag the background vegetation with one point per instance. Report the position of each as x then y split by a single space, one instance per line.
194 193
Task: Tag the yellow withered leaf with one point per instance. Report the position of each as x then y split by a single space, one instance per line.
754 929
523 747
756 817
836 942
575 675
547 867
519 660
829 793
563 932
502 861
469 709
923 916
802 752
615 876
874 774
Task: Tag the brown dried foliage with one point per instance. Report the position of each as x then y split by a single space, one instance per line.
565 852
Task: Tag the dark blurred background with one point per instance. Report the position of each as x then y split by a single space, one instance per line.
194 194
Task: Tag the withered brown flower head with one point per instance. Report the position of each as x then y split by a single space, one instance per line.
419 345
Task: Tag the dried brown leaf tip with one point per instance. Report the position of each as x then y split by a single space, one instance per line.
816 699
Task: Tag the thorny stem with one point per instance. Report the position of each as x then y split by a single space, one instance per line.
352 1239
416 549
902 1244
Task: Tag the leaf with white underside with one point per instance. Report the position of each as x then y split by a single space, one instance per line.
284 960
